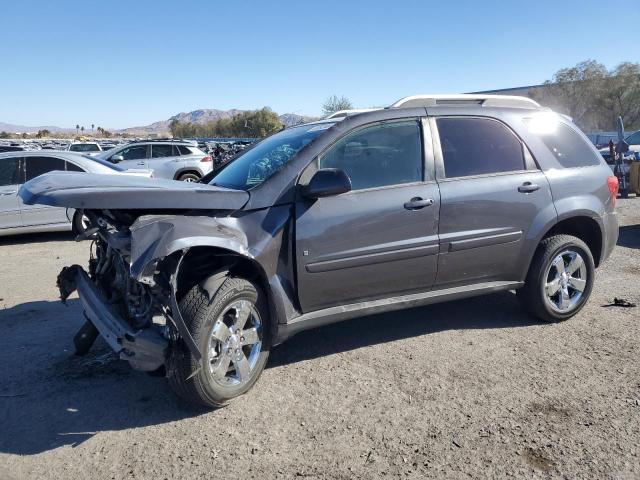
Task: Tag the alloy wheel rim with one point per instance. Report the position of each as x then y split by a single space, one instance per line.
235 343
565 281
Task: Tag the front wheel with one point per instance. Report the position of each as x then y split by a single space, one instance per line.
560 279
80 222
231 331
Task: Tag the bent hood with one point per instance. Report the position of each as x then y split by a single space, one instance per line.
96 191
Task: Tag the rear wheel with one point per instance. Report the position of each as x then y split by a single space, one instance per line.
560 279
231 331
188 177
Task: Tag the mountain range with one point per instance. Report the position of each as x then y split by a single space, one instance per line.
201 116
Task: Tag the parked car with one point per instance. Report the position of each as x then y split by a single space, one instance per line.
433 199
172 159
90 148
632 139
16 168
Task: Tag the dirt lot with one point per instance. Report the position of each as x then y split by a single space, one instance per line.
471 389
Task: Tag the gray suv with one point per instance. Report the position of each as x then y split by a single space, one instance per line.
172 159
432 199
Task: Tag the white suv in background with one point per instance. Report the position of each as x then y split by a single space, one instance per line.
172 159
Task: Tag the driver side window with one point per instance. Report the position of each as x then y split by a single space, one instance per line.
379 155
134 153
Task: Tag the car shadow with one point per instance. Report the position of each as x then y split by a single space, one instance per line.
42 237
629 236
50 397
499 310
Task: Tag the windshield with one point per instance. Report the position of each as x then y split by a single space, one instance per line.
84 147
269 156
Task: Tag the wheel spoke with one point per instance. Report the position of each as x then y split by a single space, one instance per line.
249 336
578 284
575 263
242 314
222 367
565 299
220 331
558 264
242 367
552 287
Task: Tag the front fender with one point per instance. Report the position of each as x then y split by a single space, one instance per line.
155 237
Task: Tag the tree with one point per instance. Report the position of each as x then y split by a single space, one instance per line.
92 125
593 96
335 103
43 133
77 128
82 129
4 134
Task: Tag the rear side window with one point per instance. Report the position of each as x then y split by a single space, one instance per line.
478 146
35 166
162 151
385 154
9 171
569 148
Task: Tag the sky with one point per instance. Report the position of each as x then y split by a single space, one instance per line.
128 63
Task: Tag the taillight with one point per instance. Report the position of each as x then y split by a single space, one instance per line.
612 184
206 159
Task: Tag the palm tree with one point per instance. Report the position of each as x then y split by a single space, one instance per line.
92 125
82 129
77 128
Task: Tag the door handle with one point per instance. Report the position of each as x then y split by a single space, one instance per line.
416 203
140 163
8 193
528 187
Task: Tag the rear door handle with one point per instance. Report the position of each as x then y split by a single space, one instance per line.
528 187
416 203
141 163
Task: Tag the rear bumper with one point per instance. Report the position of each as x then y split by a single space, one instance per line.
610 221
144 349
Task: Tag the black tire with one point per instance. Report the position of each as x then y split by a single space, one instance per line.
533 295
189 177
192 380
77 224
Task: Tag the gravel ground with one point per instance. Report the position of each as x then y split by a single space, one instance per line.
472 388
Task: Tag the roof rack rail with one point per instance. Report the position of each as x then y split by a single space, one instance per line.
346 113
466 99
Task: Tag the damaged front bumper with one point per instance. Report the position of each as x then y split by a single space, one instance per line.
144 349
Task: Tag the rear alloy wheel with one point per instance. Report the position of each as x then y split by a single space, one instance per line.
560 279
189 177
231 331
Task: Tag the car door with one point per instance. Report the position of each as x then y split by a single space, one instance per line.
133 157
35 166
10 180
165 160
380 239
491 194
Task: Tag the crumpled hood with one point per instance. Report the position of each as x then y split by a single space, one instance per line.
96 191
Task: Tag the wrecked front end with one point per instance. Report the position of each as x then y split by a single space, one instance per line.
134 318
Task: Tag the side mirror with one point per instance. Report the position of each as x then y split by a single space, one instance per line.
116 158
327 182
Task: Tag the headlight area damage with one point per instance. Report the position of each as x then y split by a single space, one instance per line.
130 292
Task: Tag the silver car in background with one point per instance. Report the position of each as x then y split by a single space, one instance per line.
171 159
18 167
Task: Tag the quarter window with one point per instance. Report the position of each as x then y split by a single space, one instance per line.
478 146
36 166
569 148
9 171
380 155
72 167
